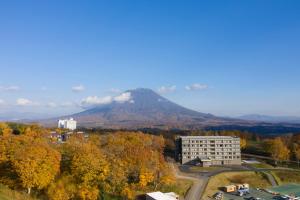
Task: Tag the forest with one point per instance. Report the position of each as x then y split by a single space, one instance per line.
122 164
108 164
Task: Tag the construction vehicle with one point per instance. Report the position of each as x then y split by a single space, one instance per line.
243 191
219 196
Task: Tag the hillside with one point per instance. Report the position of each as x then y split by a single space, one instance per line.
147 109
272 119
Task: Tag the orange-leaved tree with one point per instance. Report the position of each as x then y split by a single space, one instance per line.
141 158
277 149
88 166
5 130
36 164
63 188
243 143
297 152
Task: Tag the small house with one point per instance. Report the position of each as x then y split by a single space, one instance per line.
230 188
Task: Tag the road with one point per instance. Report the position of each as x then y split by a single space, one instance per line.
270 177
199 183
200 180
264 157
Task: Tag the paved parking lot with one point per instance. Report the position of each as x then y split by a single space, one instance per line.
253 193
288 189
284 189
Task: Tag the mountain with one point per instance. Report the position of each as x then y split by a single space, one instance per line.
272 119
147 109
143 108
22 116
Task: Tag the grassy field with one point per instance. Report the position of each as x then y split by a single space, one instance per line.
254 179
262 165
204 169
284 176
8 194
180 187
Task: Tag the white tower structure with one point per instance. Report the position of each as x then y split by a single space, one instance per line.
67 124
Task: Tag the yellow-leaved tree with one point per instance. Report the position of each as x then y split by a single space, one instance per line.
146 176
297 152
5 130
89 167
36 164
4 134
88 192
137 163
63 189
277 149
243 143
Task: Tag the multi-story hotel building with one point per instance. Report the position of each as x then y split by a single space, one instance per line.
208 150
67 124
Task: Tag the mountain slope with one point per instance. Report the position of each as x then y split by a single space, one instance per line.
273 119
146 109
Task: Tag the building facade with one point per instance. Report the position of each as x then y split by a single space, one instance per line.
67 124
208 150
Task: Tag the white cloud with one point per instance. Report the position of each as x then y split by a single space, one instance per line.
166 89
78 88
126 96
2 102
10 88
196 86
25 102
95 100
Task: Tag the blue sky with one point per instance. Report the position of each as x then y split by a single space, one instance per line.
244 55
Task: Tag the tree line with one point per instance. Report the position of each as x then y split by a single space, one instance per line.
281 148
116 165
109 163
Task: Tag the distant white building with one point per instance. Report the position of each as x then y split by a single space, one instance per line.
161 196
67 124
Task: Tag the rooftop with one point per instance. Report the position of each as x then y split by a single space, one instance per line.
208 137
162 196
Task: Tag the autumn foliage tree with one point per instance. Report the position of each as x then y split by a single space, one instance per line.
90 169
64 188
115 164
5 130
84 161
277 149
243 143
141 158
33 160
296 151
5 133
36 164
